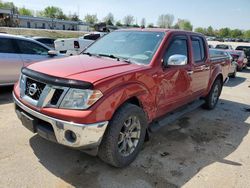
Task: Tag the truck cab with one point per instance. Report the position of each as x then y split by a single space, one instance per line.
107 100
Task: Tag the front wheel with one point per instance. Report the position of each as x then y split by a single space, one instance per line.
213 96
124 136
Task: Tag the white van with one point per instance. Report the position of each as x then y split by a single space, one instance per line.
74 46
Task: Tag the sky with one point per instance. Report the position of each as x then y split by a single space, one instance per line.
202 13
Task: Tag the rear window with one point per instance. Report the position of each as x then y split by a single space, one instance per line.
217 53
198 49
6 46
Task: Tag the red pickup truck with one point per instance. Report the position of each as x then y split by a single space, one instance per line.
107 100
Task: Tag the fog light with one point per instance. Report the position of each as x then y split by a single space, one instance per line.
70 136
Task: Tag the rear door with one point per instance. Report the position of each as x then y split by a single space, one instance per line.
201 66
10 62
31 51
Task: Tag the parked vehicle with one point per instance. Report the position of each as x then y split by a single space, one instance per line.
224 47
240 58
210 46
16 52
74 46
217 53
46 41
246 49
124 86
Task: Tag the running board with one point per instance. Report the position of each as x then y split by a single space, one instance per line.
173 116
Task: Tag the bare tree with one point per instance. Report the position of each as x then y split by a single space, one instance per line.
109 19
165 20
143 22
128 20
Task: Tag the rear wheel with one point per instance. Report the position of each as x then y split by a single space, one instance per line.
124 137
213 96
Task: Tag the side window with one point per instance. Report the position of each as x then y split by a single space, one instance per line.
178 46
6 46
198 49
28 47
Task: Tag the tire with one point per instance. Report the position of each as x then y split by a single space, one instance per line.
112 149
212 98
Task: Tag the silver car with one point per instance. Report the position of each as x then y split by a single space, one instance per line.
16 52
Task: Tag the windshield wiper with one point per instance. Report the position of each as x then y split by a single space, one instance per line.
115 57
87 53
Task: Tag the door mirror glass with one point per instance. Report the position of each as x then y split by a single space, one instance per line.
177 60
52 53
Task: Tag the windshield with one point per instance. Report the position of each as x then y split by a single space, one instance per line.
133 46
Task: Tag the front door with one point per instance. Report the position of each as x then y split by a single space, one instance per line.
174 81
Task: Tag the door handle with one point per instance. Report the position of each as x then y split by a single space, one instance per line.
204 67
190 72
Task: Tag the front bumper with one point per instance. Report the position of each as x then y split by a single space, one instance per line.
86 136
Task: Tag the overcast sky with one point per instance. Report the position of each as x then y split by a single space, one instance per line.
217 13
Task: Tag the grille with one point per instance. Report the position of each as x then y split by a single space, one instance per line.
56 96
39 86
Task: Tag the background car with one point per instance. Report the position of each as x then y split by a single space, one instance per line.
246 49
224 47
240 58
46 41
16 52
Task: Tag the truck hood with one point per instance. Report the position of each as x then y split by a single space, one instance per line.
83 67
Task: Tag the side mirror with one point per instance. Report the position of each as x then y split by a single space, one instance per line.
177 60
52 53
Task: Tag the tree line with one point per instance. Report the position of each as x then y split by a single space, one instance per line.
164 21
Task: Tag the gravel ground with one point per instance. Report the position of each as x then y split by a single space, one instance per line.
203 149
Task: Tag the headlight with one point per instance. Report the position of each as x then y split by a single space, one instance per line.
80 99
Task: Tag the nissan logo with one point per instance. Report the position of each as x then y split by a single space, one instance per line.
32 89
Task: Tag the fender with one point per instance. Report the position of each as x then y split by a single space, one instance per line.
105 108
215 72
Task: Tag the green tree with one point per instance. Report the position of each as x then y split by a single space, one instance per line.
201 30
53 12
247 34
74 17
150 25
92 19
185 25
24 11
224 32
118 24
236 33
210 31
9 5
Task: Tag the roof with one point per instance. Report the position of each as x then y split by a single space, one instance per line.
22 38
158 30
47 19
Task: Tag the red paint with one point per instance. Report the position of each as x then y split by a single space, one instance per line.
159 90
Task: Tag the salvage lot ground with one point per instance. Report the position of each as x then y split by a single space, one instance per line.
203 149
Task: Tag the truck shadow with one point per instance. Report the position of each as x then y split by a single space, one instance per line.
172 157
6 95
233 82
